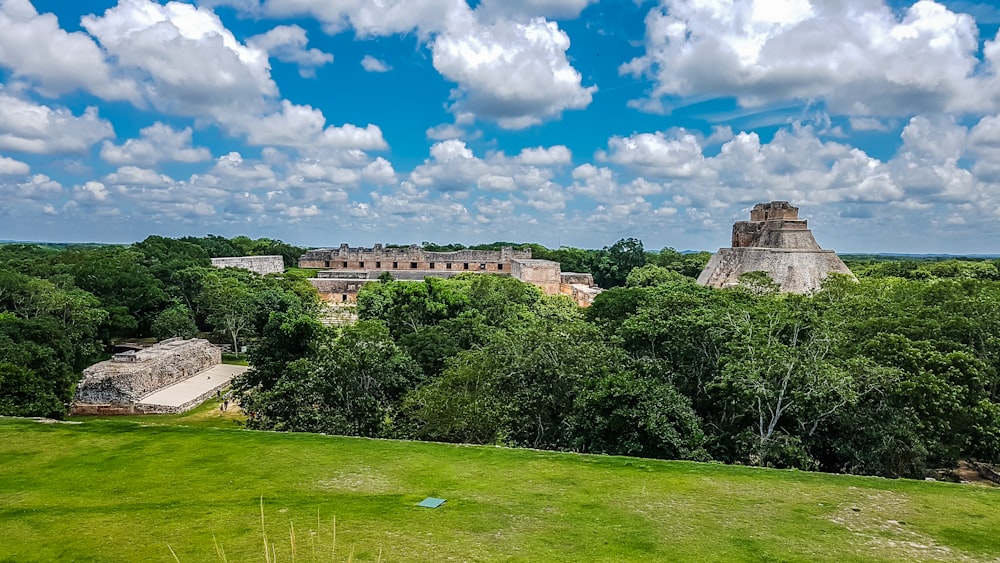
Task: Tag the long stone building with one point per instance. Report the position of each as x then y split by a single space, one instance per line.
345 269
269 264
130 381
777 242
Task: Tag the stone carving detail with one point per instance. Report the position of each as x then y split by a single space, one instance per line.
777 242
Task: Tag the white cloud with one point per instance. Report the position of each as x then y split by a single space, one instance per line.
305 127
288 43
186 59
367 18
135 176
444 132
91 193
516 74
32 128
868 124
545 156
512 72
557 9
11 167
379 172
371 64
677 154
858 56
233 166
35 48
157 143
410 205
38 187
454 168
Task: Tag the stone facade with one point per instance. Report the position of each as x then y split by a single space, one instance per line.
380 259
544 274
116 385
260 264
345 269
777 242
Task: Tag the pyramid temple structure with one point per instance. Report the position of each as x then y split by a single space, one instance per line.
777 242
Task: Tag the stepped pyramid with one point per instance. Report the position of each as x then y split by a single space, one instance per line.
777 242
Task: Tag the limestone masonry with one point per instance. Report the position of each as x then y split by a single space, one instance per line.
116 386
344 270
260 264
777 242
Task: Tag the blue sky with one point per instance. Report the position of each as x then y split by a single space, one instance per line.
564 122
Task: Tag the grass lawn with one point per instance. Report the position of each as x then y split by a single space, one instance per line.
121 490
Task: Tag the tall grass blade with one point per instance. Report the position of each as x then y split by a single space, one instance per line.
263 531
291 538
333 556
219 551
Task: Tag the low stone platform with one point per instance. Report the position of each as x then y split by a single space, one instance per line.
191 392
176 398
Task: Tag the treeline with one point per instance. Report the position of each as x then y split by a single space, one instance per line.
609 265
886 376
60 309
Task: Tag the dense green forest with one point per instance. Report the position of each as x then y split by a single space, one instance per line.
888 375
61 308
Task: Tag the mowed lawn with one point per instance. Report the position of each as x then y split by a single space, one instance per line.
121 490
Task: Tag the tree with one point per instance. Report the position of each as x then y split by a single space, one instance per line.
626 414
230 303
520 386
359 379
778 368
175 321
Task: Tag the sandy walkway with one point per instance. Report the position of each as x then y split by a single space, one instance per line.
195 386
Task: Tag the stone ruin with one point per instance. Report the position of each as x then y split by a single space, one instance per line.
116 386
344 270
271 264
774 241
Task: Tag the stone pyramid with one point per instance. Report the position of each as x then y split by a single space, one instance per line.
777 242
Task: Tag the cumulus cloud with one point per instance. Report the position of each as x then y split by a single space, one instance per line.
287 43
371 64
11 167
33 128
157 44
34 47
858 56
556 9
452 167
305 127
157 143
135 176
516 74
368 19
513 72
677 154
38 187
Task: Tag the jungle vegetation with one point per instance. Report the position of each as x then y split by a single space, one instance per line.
888 375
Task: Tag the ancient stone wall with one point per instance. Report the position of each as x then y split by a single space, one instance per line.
410 258
260 264
540 273
577 278
346 269
130 376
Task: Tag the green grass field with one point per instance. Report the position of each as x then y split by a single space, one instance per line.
125 489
